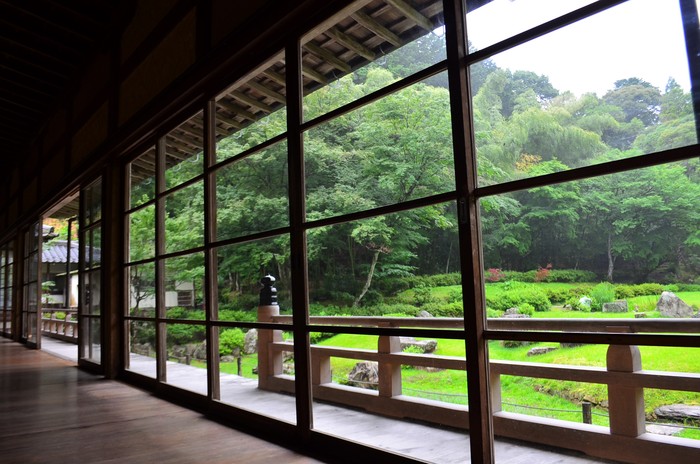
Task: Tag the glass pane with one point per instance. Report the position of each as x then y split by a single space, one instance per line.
142 233
93 202
247 376
184 148
187 357
252 110
31 327
605 247
94 299
240 268
142 348
93 340
400 265
252 194
184 218
536 115
95 250
142 290
184 287
143 178
412 371
394 150
368 50
499 20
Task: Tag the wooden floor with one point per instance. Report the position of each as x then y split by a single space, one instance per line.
51 412
138 418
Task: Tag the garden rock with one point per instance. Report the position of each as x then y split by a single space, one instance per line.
668 430
516 316
585 301
425 346
365 374
615 307
511 311
670 305
640 315
424 313
228 359
250 342
678 412
538 350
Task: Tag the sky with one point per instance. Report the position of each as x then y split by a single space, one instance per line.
639 38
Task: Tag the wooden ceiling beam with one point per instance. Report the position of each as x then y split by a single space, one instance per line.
350 43
50 23
413 14
327 55
235 109
237 125
250 101
311 73
278 97
275 77
376 28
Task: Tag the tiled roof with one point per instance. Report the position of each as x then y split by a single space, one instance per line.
56 252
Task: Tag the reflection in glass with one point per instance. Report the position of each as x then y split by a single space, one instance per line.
391 151
541 110
240 268
252 194
184 218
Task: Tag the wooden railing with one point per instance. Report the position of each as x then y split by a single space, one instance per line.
625 439
62 328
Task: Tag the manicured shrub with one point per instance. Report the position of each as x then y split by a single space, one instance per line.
526 308
229 340
557 296
517 294
602 293
423 296
492 313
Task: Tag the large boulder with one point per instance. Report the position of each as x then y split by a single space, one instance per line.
250 342
365 374
619 306
538 350
670 305
425 346
678 412
585 301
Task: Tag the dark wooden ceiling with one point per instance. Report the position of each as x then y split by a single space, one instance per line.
44 46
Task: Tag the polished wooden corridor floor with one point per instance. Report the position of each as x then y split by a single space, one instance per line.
51 412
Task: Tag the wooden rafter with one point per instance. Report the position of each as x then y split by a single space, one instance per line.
278 97
350 43
412 14
250 101
375 27
328 56
236 110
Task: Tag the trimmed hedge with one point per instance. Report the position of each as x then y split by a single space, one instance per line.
553 275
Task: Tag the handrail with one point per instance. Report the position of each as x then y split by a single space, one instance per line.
623 375
62 329
675 325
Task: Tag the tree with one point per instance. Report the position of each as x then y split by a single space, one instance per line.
637 98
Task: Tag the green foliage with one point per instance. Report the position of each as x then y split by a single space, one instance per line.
182 334
517 294
526 308
602 293
575 304
554 275
230 339
623 292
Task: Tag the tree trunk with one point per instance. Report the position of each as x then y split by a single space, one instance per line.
368 282
611 259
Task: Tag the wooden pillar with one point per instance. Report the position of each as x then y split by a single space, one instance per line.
495 386
626 404
389 372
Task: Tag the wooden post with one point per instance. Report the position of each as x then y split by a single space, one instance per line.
587 412
269 361
626 404
389 372
495 385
